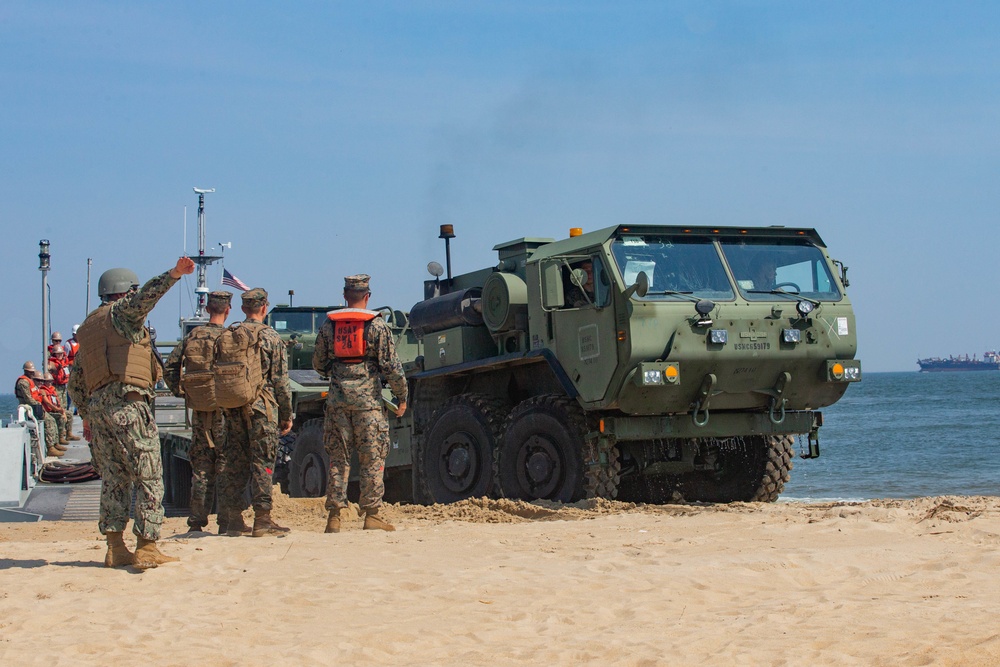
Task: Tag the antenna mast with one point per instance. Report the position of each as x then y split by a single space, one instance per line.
202 260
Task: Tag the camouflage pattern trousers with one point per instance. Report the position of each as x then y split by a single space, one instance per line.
207 439
365 432
60 422
251 444
64 402
127 448
52 432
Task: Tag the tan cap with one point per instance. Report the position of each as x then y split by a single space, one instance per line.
220 298
38 376
56 335
28 366
47 377
254 298
358 283
58 349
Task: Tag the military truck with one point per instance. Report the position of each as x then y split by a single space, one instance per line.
640 362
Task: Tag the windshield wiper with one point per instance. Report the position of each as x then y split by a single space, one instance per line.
687 295
794 295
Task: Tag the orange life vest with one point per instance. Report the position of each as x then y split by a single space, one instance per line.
349 344
51 399
74 347
34 390
60 372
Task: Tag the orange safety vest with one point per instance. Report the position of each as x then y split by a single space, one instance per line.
74 347
52 399
349 344
60 375
34 390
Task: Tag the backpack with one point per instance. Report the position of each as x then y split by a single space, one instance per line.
197 374
237 370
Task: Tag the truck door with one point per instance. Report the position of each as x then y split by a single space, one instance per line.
584 334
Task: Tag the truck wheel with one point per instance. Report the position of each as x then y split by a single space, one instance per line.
310 466
540 456
457 450
602 479
751 469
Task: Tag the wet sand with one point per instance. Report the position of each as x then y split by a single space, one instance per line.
914 582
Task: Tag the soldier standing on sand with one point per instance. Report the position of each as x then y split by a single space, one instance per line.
112 385
252 431
207 426
354 349
29 394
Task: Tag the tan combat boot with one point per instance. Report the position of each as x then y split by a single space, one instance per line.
236 526
263 525
373 522
118 554
148 556
73 436
333 521
54 451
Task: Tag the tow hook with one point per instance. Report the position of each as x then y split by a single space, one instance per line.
704 396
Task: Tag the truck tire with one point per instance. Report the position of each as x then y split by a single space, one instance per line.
602 479
456 456
310 466
540 455
751 468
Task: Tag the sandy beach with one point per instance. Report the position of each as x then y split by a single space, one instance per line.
890 582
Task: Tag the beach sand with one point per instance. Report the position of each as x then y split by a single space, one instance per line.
486 582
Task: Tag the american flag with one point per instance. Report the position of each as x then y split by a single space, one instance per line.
233 281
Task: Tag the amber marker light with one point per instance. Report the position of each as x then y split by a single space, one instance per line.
671 373
575 231
837 370
621 335
601 426
323 394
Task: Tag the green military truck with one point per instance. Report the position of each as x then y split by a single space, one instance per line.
639 362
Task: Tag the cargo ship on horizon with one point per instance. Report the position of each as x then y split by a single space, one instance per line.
989 362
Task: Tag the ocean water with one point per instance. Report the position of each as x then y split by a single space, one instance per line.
894 435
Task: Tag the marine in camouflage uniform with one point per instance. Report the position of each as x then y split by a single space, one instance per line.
26 391
252 431
117 411
207 428
355 419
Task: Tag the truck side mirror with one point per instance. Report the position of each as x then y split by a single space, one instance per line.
553 296
640 288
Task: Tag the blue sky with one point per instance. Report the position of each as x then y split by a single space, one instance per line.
339 136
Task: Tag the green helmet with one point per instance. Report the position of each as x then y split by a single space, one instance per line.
116 281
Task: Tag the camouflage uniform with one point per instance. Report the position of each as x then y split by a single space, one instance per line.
355 418
207 438
251 442
22 390
125 440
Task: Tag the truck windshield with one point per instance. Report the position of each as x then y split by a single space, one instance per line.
763 267
677 267
291 322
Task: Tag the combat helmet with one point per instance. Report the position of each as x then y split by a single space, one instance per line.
116 281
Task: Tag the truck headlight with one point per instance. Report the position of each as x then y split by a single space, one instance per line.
718 336
791 335
653 376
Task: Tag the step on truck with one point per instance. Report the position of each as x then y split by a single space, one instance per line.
639 362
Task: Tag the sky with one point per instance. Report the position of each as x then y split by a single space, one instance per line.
340 135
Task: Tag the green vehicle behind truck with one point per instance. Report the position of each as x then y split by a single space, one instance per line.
638 362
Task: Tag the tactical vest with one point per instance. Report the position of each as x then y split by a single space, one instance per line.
349 342
239 376
34 390
106 356
197 368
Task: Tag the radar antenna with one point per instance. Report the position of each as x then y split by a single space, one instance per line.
202 260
